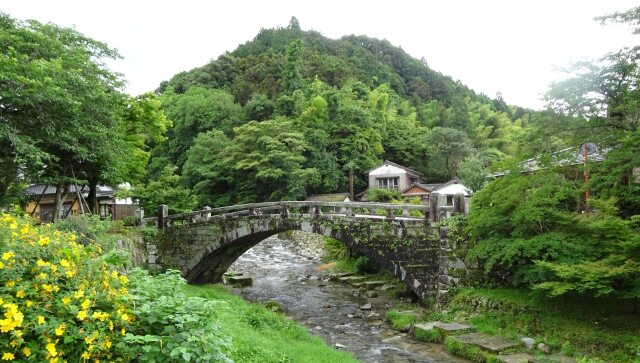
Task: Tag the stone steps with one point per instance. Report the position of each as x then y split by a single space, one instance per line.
491 343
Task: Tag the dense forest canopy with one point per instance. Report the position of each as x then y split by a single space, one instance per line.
292 112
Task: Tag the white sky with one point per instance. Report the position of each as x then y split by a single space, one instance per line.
511 46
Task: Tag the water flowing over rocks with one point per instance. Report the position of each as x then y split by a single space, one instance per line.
284 270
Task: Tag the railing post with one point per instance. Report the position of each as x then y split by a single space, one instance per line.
284 211
349 212
458 203
207 214
163 213
405 212
390 214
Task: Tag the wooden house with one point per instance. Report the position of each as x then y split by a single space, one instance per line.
42 197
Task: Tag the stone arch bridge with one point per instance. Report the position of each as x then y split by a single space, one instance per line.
401 238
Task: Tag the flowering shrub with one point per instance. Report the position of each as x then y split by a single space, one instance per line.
59 301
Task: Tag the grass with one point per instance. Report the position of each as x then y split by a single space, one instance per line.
468 351
603 328
402 321
260 335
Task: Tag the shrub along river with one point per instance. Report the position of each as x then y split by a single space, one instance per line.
284 270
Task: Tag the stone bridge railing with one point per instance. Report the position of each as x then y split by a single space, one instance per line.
410 212
286 208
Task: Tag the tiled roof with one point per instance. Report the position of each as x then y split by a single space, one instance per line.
335 197
409 170
36 189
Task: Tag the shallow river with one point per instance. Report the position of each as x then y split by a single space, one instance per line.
330 310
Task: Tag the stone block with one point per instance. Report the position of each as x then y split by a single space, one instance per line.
493 344
239 280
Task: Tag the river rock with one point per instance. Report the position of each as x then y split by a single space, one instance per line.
366 307
529 343
340 346
544 348
385 287
372 294
239 280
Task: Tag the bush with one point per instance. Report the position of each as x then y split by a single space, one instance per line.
61 301
366 265
170 326
88 228
383 195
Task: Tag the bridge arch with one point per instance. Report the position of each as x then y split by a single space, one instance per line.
203 244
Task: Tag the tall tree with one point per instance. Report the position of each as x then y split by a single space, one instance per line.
59 103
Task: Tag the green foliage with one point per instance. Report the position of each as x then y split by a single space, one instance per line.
431 335
166 189
366 265
89 229
602 328
171 326
526 232
449 148
334 250
402 321
469 351
61 106
260 335
383 195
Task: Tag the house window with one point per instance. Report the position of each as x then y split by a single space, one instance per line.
389 183
450 200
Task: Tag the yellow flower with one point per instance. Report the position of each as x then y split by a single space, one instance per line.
1 265
110 325
1 301
7 255
51 348
56 288
66 300
42 275
40 319
8 356
53 360
79 294
64 263
11 283
29 303
107 344
82 315
20 294
24 229
85 304
86 355
123 331
44 241
26 351
125 317
60 330
70 273
13 225
13 343
41 263
47 287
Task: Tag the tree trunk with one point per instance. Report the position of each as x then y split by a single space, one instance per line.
61 196
92 198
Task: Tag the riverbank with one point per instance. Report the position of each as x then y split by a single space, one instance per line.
579 329
260 335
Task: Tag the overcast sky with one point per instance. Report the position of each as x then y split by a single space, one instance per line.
509 46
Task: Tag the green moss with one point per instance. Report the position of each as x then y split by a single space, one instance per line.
431 335
401 320
469 351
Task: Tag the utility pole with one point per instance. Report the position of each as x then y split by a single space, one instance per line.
351 196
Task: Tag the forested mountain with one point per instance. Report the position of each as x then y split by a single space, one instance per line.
291 112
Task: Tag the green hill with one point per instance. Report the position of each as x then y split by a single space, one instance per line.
323 107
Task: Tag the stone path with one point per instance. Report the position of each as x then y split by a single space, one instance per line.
516 358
